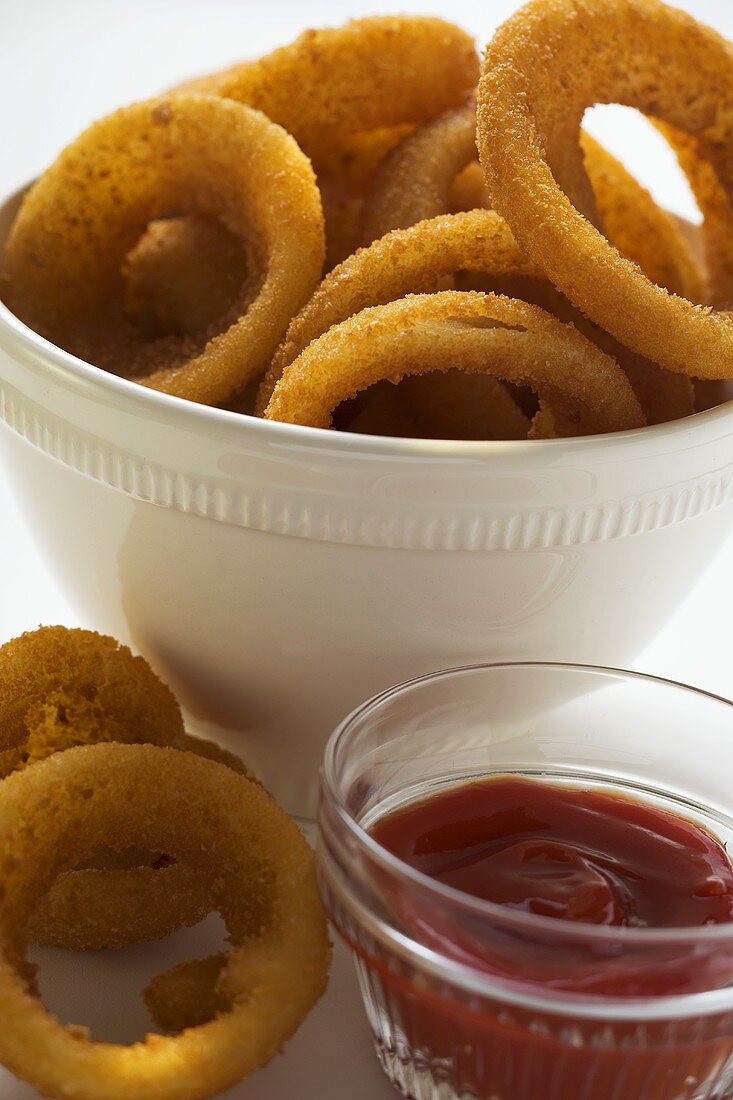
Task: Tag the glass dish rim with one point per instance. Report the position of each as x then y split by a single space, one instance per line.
531 922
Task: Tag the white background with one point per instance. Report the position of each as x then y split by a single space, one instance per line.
65 62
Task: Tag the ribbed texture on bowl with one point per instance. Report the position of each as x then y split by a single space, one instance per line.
328 518
535 1059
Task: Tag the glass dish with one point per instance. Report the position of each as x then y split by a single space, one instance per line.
446 1026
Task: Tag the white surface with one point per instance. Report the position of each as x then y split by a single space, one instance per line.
64 63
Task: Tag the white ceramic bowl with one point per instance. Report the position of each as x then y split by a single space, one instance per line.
278 575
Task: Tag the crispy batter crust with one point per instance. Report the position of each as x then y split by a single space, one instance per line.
329 85
62 270
543 68
406 261
60 688
516 342
433 168
259 873
348 95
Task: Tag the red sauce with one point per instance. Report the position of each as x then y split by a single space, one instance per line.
571 854
584 858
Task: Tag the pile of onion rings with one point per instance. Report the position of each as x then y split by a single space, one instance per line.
257 871
204 281
61 688
99 779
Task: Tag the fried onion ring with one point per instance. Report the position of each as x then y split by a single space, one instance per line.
507 339
640 229
61 688
418 180
528 125
403 262
414 182
716 206
182 275
120 900
329 85
199 155
411 261
259 873
99 908
421 178
345 108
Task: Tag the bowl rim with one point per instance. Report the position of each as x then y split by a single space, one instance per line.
19 340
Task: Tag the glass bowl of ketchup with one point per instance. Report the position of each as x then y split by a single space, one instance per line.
529 864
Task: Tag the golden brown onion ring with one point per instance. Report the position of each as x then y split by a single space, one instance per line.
199 155
346 109
61 687
182 276
405 261
715 235
641 230
330 85
418 180
414 182
507 339
663 396
259 873
120 900
99 908
413 260
528 136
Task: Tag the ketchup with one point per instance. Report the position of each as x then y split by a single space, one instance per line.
566 853
608 871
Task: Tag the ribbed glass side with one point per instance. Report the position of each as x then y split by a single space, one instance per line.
441 1052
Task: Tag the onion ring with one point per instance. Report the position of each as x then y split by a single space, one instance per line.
345 108
641 230
122 900
413 260
418 181
414 182
258 869
508 339
182 275
60 688
716 207
200 155
329 85
528 119
345 123
403 262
